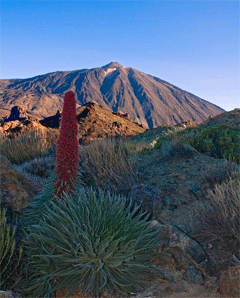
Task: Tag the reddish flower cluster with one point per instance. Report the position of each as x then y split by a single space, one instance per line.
67 148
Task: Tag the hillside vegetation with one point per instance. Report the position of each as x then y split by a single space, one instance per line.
156 214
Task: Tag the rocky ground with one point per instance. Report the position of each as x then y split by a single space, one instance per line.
174 178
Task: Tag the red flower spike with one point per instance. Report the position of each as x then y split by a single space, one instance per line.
67 148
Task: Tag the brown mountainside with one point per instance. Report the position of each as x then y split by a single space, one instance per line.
145 98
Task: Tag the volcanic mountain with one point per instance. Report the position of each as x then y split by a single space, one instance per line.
147 99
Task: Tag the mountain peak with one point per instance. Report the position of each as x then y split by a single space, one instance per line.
145 98
112 65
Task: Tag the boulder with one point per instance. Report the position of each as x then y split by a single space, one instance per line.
192 275
184 250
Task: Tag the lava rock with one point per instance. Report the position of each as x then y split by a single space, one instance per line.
192 275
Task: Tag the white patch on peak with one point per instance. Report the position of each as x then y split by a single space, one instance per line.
109 70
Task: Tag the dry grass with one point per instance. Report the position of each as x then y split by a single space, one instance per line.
136 146
223 218
27 145
108 164
219 173
219 225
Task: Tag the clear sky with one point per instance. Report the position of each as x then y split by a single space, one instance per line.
191 44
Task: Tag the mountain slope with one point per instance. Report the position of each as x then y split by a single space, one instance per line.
145 98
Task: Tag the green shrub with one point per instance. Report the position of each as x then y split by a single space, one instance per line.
10 252
94 242
220 141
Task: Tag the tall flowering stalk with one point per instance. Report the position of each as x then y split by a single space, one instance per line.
67 148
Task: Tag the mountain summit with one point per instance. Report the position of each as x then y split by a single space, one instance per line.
147 99
112 65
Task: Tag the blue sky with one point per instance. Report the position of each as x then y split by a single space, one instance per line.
191 44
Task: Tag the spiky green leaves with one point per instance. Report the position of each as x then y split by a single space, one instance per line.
95 243
10 252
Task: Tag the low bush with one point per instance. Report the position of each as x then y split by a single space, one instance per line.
39 169
222 172
108 164
94 242
220 141
10 253
28 145
217 223
222 219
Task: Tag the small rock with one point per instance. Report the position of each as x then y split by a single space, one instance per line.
144 193
211 282
192 275
167 275
166 201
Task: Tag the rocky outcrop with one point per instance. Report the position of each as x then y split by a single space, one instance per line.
53 121
17 113
17 122
186 251
97 122
12 128
94 122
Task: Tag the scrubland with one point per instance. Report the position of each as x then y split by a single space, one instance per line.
111 237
